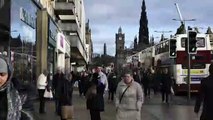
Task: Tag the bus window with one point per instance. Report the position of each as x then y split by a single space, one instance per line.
183 42
167 46
163 47
200 42
157 50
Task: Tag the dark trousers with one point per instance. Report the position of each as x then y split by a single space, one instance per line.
147 90
204 117
165 94
63 119
95 115
42 100
57 106
155 89
111 95
80 88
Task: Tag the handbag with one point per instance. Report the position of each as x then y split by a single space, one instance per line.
91 92
67 112
48 94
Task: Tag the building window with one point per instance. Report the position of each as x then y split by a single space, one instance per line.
23 39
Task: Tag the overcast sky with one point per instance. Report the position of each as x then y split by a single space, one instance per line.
106 16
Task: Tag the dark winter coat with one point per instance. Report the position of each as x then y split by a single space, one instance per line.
157 78
66 92
205 97
96 103
166 83
29 92
11 102
84 81
112 81
88 82
57 83
137 78
145 80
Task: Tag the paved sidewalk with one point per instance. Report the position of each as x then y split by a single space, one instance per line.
80 111
153 109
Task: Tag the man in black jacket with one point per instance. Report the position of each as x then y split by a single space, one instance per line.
166 82
56 87
112 81
205 96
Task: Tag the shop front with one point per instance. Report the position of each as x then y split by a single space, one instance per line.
22 43
52 38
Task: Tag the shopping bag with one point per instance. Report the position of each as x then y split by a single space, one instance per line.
172 91
67 112
48 94
76 84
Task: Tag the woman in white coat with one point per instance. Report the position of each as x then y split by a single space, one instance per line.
129 99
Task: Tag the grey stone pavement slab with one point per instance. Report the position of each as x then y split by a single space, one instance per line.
153 109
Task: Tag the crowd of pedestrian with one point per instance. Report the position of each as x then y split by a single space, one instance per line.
155 81
128 92
93 85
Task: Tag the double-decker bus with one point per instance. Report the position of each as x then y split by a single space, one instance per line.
178 67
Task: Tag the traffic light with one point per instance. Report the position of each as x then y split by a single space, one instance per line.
192 42
172 48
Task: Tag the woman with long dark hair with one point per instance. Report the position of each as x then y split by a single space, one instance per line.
95 99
